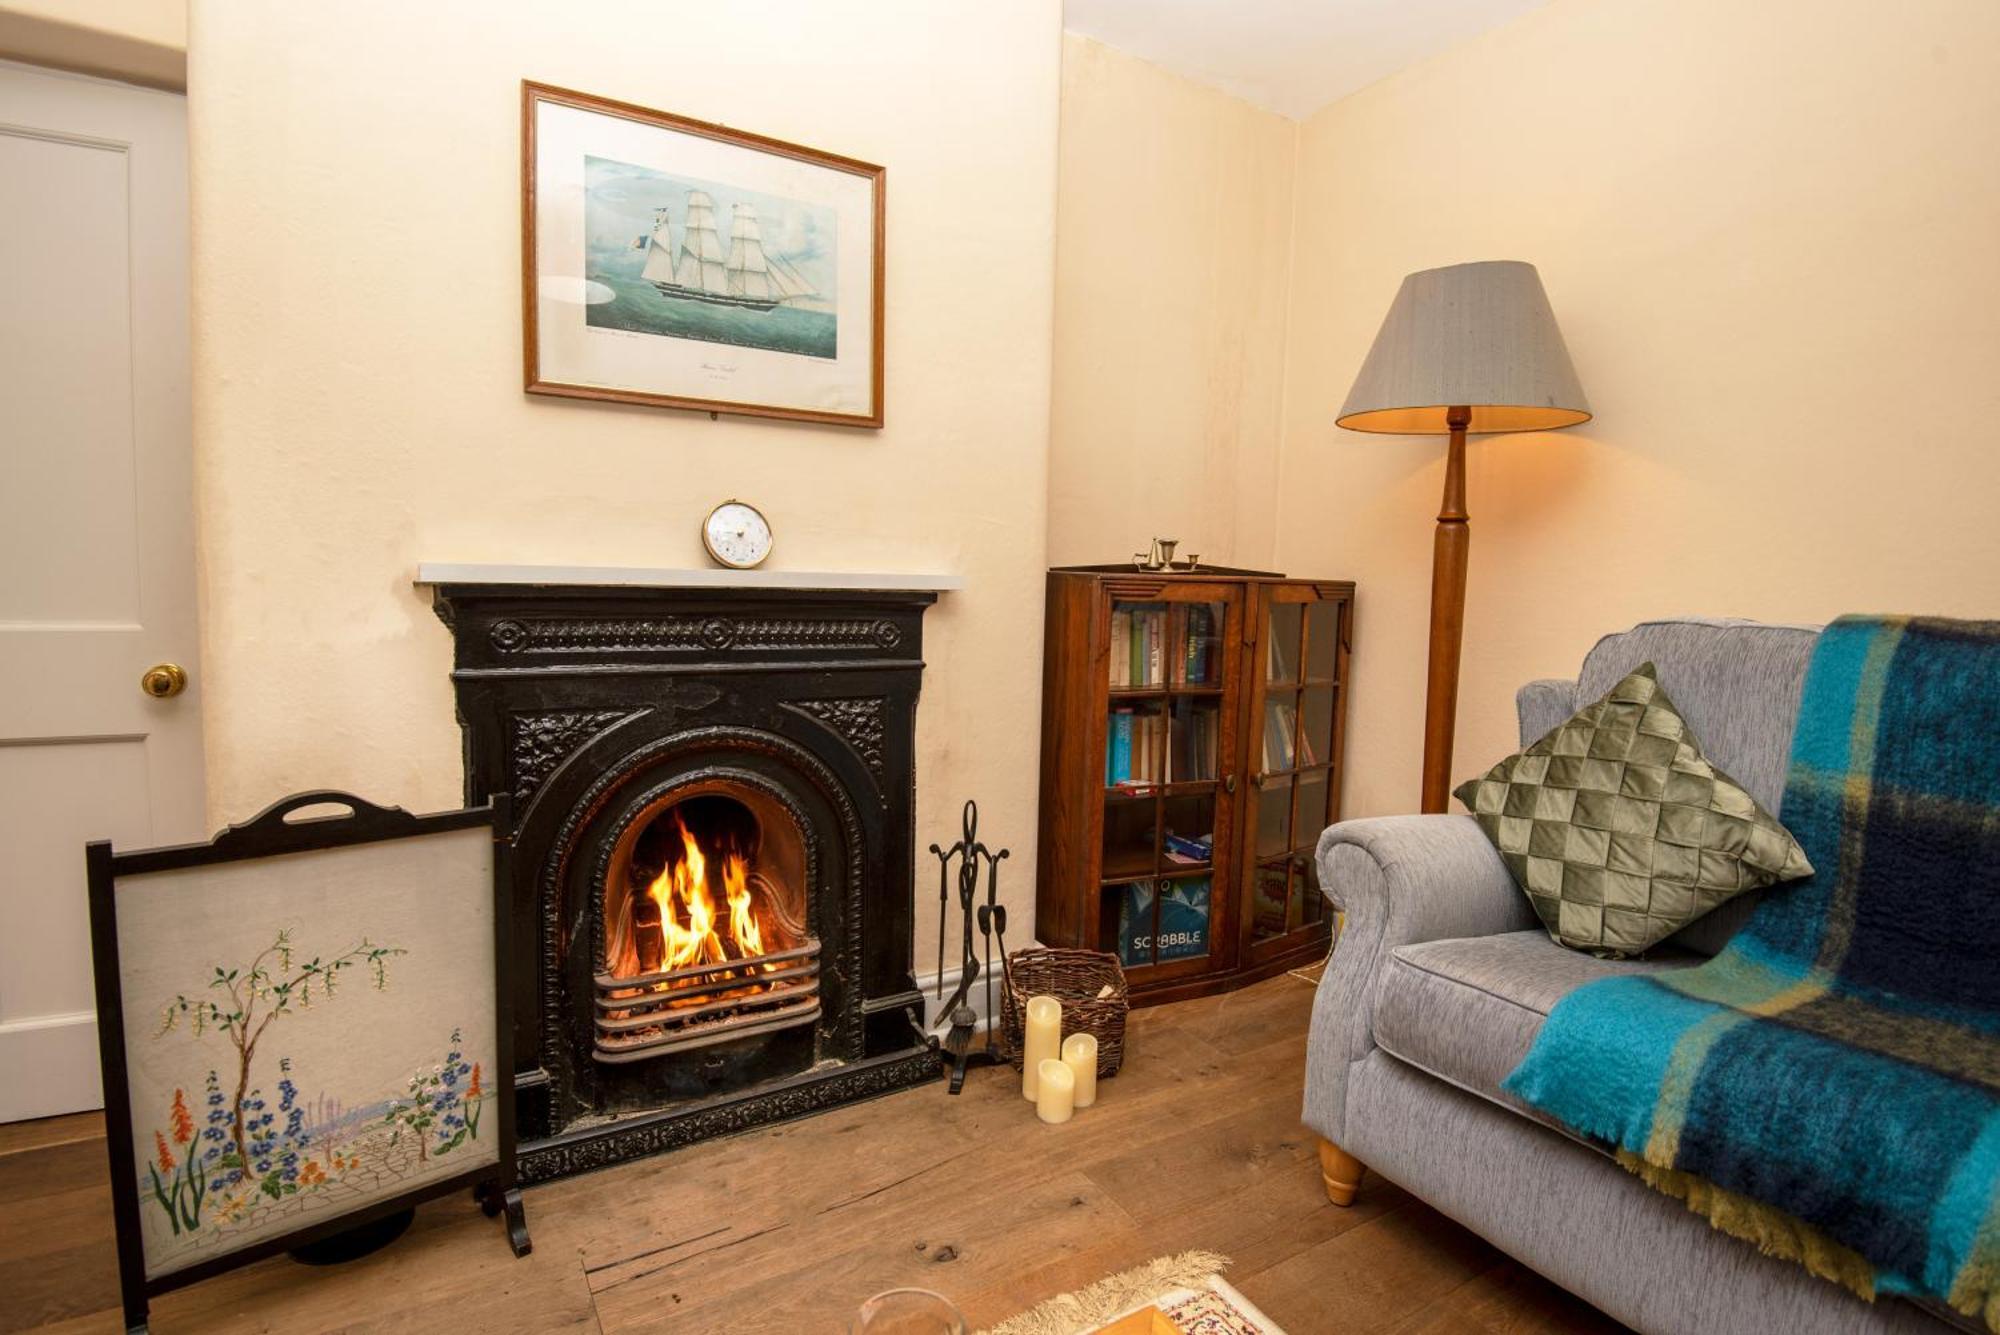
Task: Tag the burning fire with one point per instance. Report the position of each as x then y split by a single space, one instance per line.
688 912
715 938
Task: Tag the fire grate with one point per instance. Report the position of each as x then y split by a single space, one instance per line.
650 1015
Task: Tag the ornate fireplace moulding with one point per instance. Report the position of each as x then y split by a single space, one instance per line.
858 721
706 635
541 741
588 702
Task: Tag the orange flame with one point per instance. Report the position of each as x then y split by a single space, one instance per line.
742 923
688 912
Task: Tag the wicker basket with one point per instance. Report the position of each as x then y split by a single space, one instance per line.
1073 977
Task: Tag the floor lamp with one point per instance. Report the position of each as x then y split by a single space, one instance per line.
1465 349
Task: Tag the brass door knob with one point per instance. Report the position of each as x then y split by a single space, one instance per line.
163 680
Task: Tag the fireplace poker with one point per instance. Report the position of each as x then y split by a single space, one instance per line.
990 917
1000 931
944 860
986 931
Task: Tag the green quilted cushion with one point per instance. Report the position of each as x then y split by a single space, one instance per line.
1620 830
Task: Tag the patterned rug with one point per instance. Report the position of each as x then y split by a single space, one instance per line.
1188 1289
1215 1309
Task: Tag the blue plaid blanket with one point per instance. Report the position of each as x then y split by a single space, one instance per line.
1829 1085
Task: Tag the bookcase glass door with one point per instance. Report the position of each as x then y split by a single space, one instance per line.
1167 807
1294 787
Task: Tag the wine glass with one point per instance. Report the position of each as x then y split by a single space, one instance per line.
908 1312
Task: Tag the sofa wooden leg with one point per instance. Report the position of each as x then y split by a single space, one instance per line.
1340 1171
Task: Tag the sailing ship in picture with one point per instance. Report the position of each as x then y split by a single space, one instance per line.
702 271
768 285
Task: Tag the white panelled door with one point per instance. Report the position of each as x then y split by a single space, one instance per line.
96 540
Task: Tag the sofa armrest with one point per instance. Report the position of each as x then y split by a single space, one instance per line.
1542 706
1398 880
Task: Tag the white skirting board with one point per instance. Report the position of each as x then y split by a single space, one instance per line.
927 983
52 1061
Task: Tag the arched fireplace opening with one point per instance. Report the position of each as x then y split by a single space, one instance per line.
706 928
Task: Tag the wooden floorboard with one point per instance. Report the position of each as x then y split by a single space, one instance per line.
17 1137
1195 1144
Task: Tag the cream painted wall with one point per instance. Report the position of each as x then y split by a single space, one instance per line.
358 363
1769 232
1172 254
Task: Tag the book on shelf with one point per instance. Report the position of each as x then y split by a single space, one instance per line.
1135 748
1199 851
1281 725
1279 665
1118 748
1198 655
1197 738
1278 733
1139 646
1158 764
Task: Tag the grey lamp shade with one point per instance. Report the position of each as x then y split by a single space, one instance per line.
1475 335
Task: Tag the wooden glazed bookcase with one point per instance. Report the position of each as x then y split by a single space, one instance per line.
1186 782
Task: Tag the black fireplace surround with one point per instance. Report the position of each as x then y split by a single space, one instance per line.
595 706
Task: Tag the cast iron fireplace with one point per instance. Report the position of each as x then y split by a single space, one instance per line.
711 868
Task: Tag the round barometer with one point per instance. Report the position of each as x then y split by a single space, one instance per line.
737 535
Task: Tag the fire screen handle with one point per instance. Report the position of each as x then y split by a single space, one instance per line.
271 830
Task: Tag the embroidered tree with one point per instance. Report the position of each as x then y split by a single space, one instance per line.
244 1001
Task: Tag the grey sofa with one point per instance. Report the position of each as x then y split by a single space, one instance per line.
1442 977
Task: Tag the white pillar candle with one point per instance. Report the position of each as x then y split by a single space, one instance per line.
1041 1039
1080 1055
1055 1100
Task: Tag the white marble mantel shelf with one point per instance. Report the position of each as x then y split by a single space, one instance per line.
452 572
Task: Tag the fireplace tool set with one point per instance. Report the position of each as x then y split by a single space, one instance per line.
991 918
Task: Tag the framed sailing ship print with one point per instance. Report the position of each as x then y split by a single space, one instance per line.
302 1034
672 262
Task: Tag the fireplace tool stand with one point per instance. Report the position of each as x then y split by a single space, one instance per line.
991 917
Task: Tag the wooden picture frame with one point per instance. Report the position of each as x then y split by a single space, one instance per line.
630 292
224 894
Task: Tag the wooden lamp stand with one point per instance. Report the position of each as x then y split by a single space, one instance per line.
1449 550
1481 338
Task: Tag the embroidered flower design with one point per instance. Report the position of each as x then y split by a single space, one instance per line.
181 1119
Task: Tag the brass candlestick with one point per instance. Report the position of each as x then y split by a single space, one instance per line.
1161 557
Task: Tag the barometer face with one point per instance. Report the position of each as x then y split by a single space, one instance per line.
736 535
